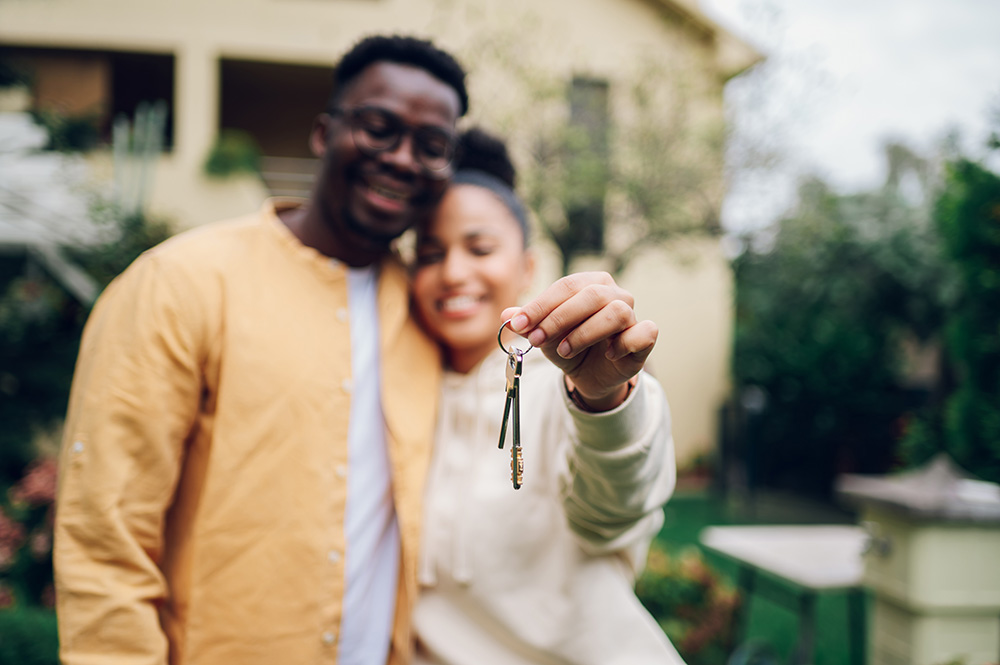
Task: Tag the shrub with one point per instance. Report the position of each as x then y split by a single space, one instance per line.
691 603
39 335
26 538
70 133
40 327
28 636
234 152
130 236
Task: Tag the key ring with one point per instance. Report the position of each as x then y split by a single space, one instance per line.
500 342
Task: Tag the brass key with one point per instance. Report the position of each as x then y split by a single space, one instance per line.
515 361
514 364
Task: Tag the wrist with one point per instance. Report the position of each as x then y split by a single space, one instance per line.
612 400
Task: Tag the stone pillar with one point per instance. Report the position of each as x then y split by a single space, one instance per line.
932 564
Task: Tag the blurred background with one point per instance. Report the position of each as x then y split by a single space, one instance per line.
804 196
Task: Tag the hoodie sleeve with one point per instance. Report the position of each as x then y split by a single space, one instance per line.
620 471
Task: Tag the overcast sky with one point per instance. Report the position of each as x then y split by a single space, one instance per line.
852 73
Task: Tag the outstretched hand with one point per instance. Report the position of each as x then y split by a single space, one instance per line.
585 324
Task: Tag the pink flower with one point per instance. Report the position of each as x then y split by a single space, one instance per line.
38 486
40 544
49 596
11 538
6 597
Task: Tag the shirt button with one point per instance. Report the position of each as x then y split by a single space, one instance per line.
346 385
78 446
342 314
329 638
341 471
334 556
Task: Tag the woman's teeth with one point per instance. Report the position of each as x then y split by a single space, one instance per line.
458 303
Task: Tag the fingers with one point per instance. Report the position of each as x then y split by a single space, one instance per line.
509 313
599 379
586 325
587 328
635 343
578 309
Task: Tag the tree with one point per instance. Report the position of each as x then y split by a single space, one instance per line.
823 311
660 177
966 424
609 167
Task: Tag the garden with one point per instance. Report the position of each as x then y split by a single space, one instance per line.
866 325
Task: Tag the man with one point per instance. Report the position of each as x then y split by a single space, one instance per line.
252 410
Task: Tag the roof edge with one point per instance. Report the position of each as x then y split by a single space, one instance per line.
734 55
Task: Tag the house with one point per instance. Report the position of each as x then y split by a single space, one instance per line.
263 66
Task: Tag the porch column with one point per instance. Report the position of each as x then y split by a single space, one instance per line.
196 104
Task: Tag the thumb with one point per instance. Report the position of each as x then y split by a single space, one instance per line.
509 313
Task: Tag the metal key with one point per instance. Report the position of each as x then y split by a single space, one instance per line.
515 358
514 363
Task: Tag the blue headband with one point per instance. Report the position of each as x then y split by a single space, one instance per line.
500 189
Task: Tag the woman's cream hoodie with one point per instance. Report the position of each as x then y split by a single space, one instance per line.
543 574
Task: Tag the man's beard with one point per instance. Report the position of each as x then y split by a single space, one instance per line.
372 239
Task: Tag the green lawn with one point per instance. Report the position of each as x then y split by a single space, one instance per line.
774 624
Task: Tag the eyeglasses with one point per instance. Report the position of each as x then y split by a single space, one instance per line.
375 130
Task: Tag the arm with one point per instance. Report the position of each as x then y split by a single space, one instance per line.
620 472
620 465
135 396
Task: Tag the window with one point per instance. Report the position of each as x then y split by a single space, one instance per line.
92 88
587 153
273 102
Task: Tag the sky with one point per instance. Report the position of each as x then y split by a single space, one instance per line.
846 75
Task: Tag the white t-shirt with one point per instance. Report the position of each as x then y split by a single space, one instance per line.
370 526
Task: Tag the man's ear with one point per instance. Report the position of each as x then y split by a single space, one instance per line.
318 135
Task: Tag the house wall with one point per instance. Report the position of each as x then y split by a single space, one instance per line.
503 43
688 291
605 37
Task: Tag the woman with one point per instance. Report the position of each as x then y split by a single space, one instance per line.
544 573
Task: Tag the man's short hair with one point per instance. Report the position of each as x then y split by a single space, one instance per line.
401 50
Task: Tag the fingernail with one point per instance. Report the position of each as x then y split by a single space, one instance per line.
564 349
537 337
519 323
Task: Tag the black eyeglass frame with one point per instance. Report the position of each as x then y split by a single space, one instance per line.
364 140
